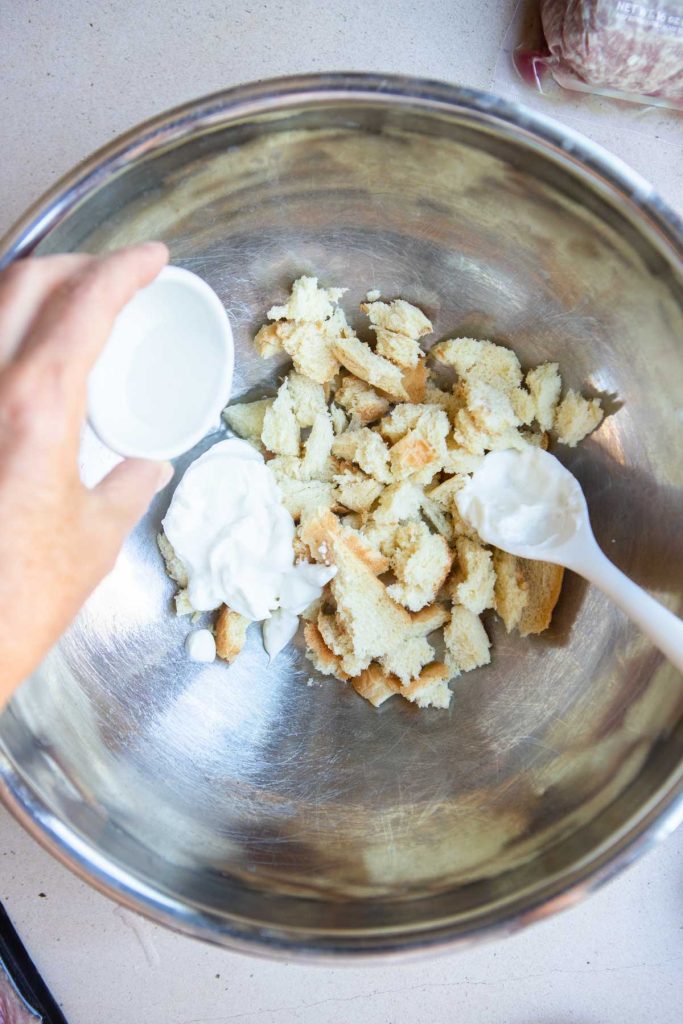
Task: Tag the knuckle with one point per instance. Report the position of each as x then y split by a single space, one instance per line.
14 277
20 394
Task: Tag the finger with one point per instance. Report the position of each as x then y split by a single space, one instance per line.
73 325
24 286
124 495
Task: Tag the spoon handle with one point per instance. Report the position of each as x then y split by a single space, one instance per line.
663 627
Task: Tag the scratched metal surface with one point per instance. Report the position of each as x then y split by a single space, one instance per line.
273 801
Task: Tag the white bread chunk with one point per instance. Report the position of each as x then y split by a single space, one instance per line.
300 496
485 361
318 446
474 580
511 591
526 592
397 502
268 340
576 417
489 407
445 493
398 316
311 346
400 420
230 631
339 419
421 561
361 361
307 302
319 654
446 400
374 623
281 433
361 400
421 450
523 405
246 419
544 384
403 351
467 643
356 490
174 567
308 398
408 659
429 689
366 448
459 460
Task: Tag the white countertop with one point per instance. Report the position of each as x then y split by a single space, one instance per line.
74 74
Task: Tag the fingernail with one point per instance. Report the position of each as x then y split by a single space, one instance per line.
166 472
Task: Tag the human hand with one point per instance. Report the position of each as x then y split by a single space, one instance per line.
57 538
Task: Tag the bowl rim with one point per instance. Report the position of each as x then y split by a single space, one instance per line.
662 812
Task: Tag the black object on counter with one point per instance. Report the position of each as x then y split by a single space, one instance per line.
24 996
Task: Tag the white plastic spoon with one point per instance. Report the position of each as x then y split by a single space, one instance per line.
527 503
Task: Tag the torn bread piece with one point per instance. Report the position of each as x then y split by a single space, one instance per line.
246 419
361 361
366 448
182 603
174 567
356 490
421 561
544 384
319 654
398 316
403 351
576 417
511 589
339 419
308 398
422 450
318 446
526 592
397 502
467 643
374 622
281 433
474 580
301 497
311 347
361 400
484 361
307 302
230 631
429 689
407 660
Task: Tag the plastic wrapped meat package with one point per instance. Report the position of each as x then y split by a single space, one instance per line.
628 50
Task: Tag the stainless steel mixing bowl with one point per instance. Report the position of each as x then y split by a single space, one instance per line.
269 808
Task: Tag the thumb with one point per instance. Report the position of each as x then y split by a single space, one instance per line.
125 493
